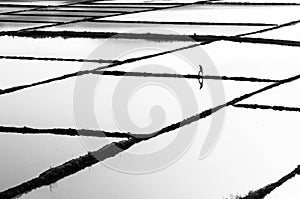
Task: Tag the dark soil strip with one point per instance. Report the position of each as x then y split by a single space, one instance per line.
263 192
152 37
63 132
252 4
110 6
98 61
267 107
99 35
188 76
144 4
263 41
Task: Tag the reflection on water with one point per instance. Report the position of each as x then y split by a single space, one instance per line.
240 154
218 13
241 161
156 28
8 26
43 19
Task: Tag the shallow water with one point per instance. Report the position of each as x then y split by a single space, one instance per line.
240 156
256 146
8 26
44 19
219 13
287 33
61 13
158 29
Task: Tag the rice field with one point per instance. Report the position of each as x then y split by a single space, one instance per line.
149 98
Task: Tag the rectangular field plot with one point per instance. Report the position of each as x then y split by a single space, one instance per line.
8 26
99 26
220 14
117 4
100 9
79 76
66 14
286 33
40 19
4 9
